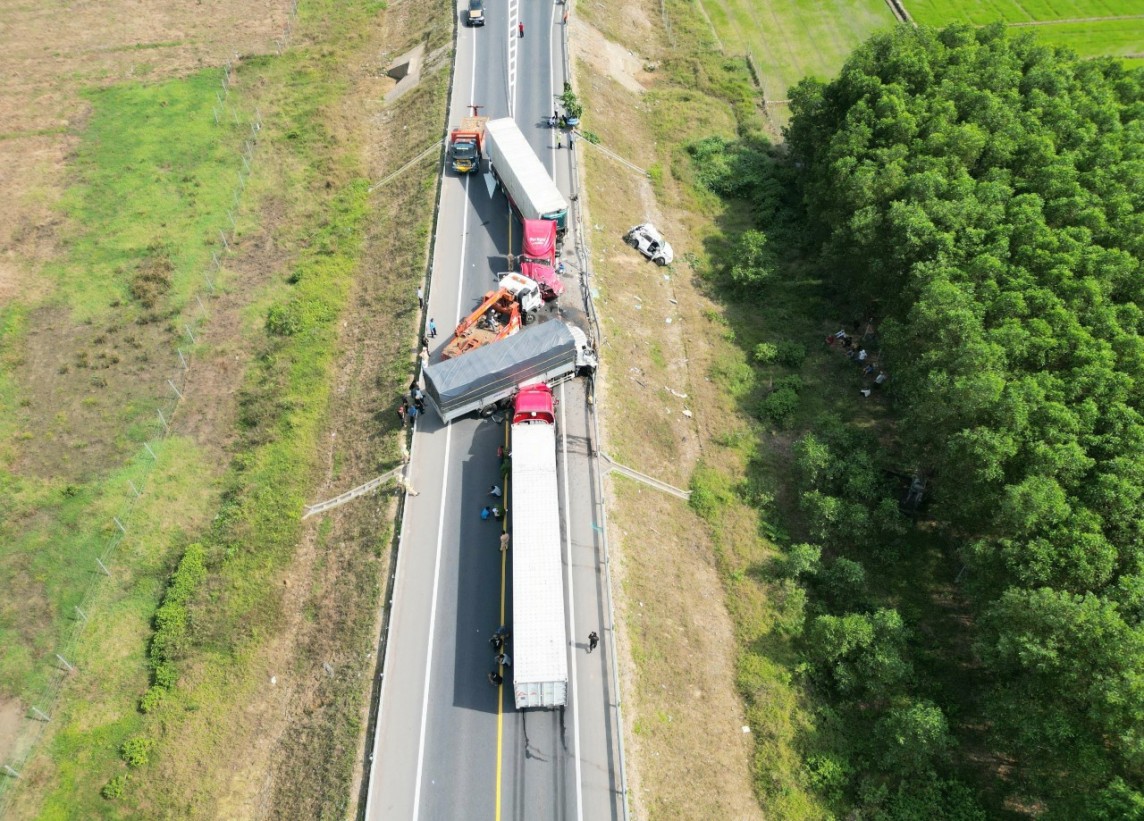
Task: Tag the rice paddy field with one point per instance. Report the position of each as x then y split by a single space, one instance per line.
1091 28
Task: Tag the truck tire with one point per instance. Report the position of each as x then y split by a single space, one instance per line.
660 261
487 411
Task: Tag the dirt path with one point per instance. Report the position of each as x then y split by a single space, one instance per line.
1064 20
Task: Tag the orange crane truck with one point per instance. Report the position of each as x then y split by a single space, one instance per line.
501 313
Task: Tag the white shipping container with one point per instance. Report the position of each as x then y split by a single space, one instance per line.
539 638
521 173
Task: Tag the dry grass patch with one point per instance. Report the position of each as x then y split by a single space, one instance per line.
686 729
707 630
690 755
48 56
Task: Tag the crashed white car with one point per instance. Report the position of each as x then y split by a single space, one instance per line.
650 242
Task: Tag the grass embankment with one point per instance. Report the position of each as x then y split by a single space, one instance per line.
789 41
264 372
683 572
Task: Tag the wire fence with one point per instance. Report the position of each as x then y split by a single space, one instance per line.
193 322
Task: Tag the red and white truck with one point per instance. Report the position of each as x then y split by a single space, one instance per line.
538 257
539 634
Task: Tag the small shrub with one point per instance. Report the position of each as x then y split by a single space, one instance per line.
828 775
710 491
765 353
790 354
572 105
151 699
790 382
296 316
753 263
779 407
801 559
115 787
136 751
591 136
737 378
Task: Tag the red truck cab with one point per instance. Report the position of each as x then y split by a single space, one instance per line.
534 403
538 257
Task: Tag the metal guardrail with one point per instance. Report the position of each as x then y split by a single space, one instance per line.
349 495
616 467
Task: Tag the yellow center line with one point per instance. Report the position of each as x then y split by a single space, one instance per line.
500 668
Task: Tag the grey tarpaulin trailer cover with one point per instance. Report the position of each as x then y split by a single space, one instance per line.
478 380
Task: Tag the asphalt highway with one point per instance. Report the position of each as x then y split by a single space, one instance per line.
448 743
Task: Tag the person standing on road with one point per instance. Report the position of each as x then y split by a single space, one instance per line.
494 491
593 641
520 28
432 329
496 679
504 659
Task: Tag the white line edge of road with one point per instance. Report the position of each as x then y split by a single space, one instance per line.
571 618
444 488
567 496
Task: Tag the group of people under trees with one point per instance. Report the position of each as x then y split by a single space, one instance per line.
858 354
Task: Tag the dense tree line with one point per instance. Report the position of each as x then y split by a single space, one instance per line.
983 197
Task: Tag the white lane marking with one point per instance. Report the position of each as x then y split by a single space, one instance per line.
513 38
571 613
444 488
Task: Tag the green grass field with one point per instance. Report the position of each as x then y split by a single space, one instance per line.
791 40
153 172
1091 28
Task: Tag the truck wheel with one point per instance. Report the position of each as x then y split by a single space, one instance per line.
487 411
660 261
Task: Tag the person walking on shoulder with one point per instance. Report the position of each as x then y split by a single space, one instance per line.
593 641
432 329
520 28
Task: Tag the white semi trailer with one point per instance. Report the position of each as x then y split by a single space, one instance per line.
539 635
527 184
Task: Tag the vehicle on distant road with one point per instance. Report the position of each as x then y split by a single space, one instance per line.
476 15
650 242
